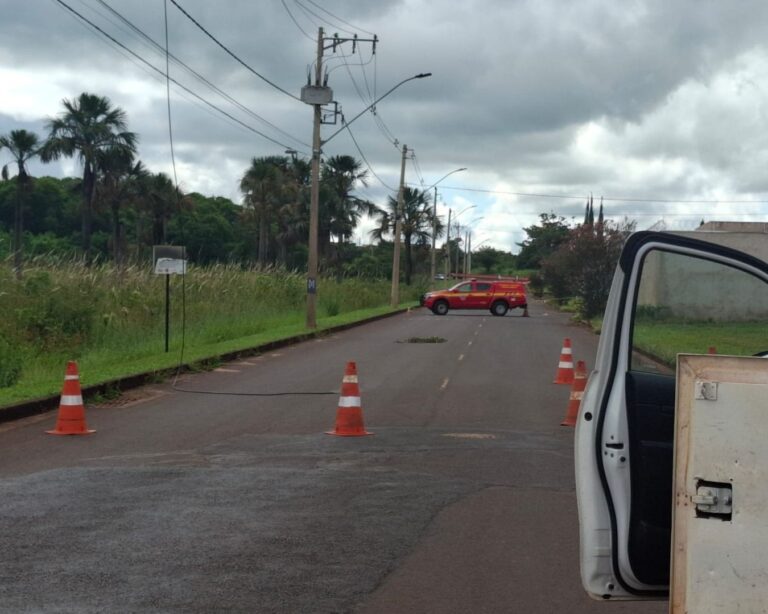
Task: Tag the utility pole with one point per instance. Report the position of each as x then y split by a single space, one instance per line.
469 254
434 231
395 298
448 246
316 95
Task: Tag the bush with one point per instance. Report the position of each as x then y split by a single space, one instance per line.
584 265
10 364
536 284
55 315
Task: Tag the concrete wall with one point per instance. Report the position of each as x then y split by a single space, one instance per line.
701 290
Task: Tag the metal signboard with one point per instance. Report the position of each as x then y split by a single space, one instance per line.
169 259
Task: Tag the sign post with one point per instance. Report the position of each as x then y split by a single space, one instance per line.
169 260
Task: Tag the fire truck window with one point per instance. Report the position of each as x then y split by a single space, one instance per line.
483 287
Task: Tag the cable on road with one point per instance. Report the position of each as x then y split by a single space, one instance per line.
251 394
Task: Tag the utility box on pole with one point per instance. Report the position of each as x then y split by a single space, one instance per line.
316 94
720 509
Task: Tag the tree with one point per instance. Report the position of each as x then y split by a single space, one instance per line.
416 223
542 241
120 182
264 186
341 174
161 199
488 258
89 125
23 146
583 266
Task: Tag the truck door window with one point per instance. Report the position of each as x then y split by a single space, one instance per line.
684 304
692 305
464 288
483 287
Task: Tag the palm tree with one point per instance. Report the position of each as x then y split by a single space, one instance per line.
264 186
120 181
23 146
341 174
293 215
415 223
89 125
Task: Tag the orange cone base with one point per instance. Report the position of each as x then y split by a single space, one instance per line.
85 432
360 434
349 423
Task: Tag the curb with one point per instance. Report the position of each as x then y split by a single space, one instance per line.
26 409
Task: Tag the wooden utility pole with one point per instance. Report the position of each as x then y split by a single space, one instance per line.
314 194
395 298
432 269
448 246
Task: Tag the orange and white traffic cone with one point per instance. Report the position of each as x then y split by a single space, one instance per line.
71 419
565 366
349 415
577 392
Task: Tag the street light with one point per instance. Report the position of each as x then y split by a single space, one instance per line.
314 204
434 218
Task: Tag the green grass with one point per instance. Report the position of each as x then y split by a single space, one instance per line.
665 340
114 325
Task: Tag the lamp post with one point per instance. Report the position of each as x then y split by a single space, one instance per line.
434 218
316 97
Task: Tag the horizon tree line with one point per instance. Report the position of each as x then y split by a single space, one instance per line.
270 226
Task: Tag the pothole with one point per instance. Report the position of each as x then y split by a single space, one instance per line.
422 340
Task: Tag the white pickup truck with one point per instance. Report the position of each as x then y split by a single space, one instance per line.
698 298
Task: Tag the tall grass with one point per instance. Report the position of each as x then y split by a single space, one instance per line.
113 322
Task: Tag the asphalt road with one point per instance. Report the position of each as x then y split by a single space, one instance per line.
462 501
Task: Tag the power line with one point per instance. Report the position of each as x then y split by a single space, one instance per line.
215 40
611 198
362 155
200 77
293 19
308 11
183 87
315 4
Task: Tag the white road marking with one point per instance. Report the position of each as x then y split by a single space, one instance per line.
445 384
469 343
461 357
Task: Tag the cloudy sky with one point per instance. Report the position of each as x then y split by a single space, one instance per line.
660 107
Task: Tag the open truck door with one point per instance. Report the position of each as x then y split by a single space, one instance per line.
670 295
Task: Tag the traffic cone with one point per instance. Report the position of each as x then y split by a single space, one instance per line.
565 366
71 419
349 415
577 391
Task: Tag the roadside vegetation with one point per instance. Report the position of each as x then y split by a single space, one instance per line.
113 321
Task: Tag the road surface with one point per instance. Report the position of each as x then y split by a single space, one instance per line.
462 500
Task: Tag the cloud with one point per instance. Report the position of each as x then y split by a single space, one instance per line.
638 99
